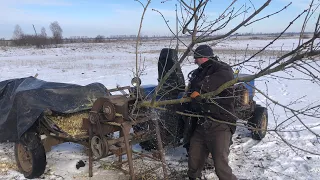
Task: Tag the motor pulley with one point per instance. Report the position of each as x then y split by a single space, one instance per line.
109 110
99 147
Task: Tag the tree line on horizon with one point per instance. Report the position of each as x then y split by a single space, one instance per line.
39 40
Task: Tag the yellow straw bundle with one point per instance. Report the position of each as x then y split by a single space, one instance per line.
71 124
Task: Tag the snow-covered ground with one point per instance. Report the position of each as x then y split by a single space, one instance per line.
113 64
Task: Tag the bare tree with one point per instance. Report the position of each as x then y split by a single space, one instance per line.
195 22
202 30
56 32
21 39
43 32
17 33
18 36
42 39
99 39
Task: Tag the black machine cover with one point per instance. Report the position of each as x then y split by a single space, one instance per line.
23 101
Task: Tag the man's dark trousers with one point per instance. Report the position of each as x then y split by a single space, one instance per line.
215 138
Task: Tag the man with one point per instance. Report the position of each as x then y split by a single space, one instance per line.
210 136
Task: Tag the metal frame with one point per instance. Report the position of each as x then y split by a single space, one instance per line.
97 125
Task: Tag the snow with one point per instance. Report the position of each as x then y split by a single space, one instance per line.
113 64
283 44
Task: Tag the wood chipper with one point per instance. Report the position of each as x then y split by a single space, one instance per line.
93 128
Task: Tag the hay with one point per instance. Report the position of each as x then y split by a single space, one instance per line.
6 166
71 124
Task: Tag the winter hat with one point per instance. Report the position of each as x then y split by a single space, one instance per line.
203 51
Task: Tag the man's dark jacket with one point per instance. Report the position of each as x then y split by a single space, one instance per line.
208 78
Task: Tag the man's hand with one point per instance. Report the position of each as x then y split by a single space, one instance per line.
196 101
196 96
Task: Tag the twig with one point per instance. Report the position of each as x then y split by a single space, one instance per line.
271 41
268 15
137 45
238 26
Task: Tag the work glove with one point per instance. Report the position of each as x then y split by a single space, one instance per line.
196 101
195 96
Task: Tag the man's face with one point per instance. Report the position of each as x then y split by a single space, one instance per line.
200 61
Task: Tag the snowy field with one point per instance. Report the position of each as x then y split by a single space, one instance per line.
113 64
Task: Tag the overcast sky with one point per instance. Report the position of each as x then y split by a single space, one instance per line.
120 17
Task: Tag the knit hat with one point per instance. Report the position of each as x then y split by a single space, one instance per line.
203 51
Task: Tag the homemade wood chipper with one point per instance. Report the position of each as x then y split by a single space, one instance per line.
95 129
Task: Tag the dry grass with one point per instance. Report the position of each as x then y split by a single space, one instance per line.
141 167
6 166
71 124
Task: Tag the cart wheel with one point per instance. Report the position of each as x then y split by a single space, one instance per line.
260 121
30 155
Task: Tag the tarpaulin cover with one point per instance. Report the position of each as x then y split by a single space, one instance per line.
22 102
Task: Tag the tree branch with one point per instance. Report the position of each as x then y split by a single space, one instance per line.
237 27
269 15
